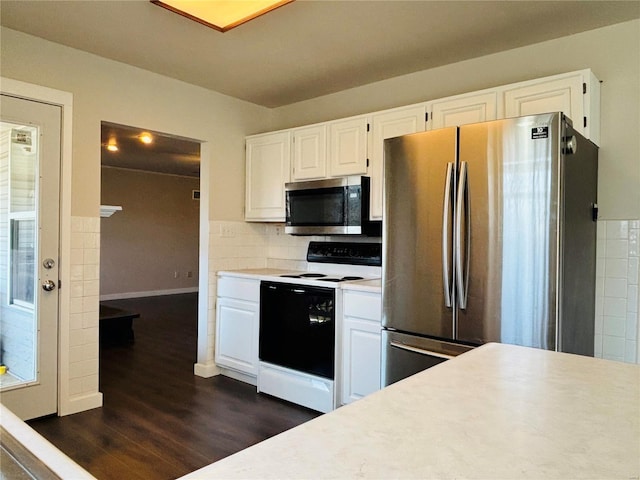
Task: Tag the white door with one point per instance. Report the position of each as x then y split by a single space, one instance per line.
30 135
393 123
268 169
457 111
309 153
348 147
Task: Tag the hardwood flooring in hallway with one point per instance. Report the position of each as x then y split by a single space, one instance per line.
159 421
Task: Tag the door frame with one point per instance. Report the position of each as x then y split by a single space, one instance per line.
64 100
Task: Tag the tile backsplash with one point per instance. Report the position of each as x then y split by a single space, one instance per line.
616 322
237 245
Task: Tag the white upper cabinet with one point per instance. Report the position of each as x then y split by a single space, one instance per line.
576 94
348 147
309 153
463 109
389 124
268 163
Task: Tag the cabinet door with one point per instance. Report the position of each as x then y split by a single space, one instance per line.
348 147
544 96
237 335
361 368
462 110
268 165
360 345
385 125
309 153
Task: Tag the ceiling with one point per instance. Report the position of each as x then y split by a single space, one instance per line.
307 48
166 154
299 51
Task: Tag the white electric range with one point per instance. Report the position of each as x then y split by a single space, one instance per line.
298 316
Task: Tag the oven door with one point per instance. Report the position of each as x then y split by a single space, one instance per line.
297 327
404 355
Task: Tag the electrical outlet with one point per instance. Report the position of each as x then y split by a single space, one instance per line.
279 230
176 274
227 231
189 274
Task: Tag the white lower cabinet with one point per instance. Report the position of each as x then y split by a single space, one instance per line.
361 328
237 326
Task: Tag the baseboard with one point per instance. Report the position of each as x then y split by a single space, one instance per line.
206 370
80 404
243 377
148 293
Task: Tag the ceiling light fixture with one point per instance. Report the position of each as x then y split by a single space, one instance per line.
112 146
221 15
145 137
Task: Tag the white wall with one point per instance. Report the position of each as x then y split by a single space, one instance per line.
104 90
153 237
613 53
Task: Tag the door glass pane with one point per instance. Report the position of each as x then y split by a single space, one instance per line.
18 251
22 278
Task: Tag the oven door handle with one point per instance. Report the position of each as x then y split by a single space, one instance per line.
421 351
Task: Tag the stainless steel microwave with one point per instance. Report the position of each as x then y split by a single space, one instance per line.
336 206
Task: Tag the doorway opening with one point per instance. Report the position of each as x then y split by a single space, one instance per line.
149 233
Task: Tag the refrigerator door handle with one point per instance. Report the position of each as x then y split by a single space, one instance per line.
421 351
445 235
462 281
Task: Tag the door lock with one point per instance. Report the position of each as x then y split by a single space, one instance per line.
48 263
48 285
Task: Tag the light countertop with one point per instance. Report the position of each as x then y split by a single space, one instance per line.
374 286
257 273
273 274
499 411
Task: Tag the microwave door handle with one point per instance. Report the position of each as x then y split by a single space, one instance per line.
421 351
446 204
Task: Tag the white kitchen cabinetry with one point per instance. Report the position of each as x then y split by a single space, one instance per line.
268 164
309 153
576 94
360 344
348 147
237 327
463 109
341 147
389 124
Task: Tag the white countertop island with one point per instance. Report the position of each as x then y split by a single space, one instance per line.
499 412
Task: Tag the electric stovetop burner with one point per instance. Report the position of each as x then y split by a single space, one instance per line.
304 275
342 279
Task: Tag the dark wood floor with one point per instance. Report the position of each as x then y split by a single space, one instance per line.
159 421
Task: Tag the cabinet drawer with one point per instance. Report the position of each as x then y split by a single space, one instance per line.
241 288
363 305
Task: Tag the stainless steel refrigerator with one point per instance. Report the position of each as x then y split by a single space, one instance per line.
489 236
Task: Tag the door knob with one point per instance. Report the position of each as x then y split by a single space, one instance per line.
48 285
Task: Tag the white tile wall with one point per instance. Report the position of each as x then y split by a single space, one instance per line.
236 245
616 322
240 245
84 305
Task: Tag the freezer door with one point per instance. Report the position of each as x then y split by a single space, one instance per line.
419 174
507 220
404 355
